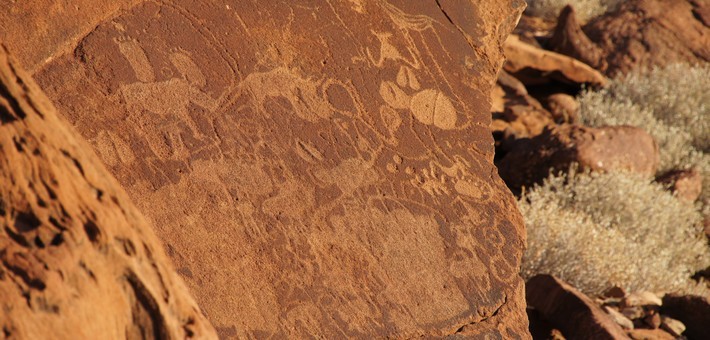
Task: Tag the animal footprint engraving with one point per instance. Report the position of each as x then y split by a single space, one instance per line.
135 55
428 106
432 107
406 77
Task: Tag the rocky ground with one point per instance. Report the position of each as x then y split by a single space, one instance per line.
539 131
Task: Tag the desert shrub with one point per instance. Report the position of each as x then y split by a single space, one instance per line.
678 95
603 229
671 103
586 9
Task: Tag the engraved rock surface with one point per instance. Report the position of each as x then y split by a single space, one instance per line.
315 167
77 259
52 27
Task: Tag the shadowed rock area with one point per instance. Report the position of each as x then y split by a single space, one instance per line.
315 168
77 259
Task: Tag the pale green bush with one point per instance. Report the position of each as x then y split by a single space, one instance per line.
678 95
671 103
586 9
600 230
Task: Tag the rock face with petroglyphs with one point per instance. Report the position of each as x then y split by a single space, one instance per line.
313 167
77 259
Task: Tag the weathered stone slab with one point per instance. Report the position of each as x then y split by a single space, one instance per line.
315 167
569 310
77 259
37 31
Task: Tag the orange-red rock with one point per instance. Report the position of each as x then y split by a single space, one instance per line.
685 184
38 31
563 107
650 334
611 148
569 39
319 168
645 33
693 311
516 111
619 318
77 259
536 66
541 328
569 310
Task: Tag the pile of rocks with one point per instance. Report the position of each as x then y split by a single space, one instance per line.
557 311
535 115
537 131
536 122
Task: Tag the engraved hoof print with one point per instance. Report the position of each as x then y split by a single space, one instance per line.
428 106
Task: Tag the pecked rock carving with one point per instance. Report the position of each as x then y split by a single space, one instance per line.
77 259
316 168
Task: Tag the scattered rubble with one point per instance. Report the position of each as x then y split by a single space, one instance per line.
573 313
690 310
557 308
537 129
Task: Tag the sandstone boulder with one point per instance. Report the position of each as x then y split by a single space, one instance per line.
569 39
619 318
650 334
615 292
652 320
644 33
516 114
77 259
633 312
611 148
641 299
575 314
674 327
536 66
685 184
541 328
693 312
563 107
319 168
